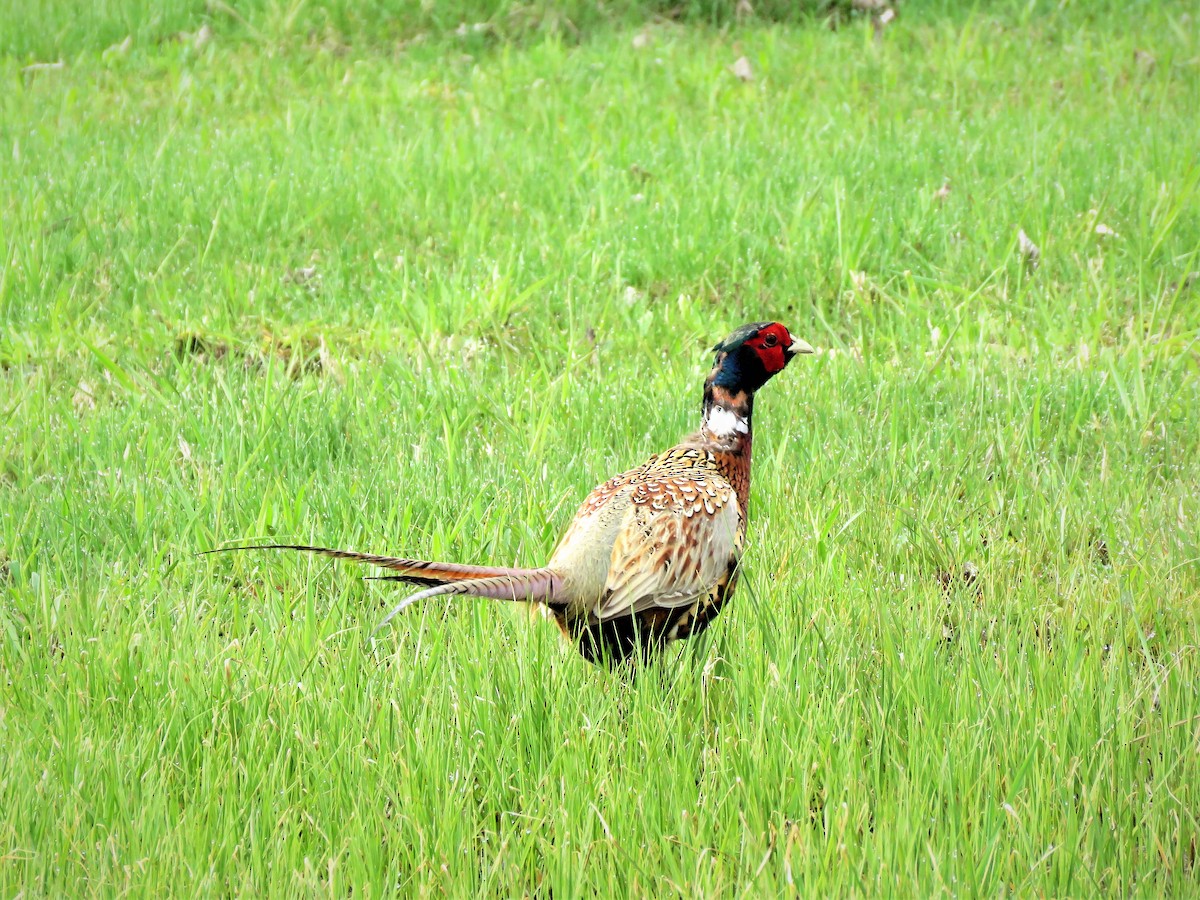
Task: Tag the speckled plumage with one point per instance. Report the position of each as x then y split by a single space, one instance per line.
652 554
646 549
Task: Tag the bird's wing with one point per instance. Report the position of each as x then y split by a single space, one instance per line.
677 539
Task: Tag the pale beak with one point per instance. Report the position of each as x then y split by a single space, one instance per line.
799 346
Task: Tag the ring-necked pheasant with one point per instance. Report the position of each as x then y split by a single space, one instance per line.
652 555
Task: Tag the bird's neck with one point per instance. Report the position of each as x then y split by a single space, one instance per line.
726 431
726 416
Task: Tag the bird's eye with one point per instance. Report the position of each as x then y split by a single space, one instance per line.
770 340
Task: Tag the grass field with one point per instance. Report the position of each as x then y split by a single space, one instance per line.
420 292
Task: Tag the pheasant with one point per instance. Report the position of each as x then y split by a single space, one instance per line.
652 555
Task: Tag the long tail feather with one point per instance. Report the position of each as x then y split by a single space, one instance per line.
541 585
411 571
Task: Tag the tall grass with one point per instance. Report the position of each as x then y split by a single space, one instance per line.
422 299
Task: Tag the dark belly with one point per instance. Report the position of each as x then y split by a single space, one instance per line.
636 638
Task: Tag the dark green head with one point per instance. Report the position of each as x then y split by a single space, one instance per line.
748 358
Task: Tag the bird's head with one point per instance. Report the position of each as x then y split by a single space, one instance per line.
748 358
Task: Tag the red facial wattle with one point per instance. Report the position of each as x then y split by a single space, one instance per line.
770 346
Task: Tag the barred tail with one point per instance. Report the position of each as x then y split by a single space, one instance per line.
541 585
411 571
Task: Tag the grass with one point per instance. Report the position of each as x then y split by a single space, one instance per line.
306 285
